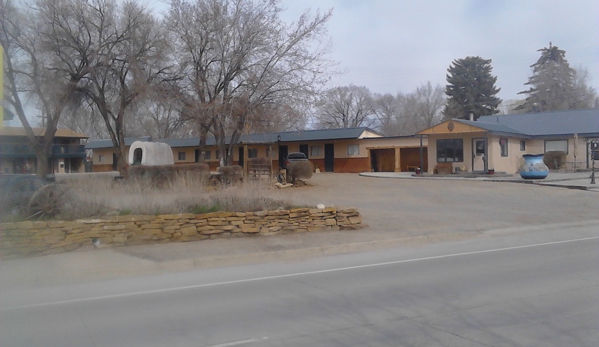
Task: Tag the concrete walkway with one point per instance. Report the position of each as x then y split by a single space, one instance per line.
400 212
572 180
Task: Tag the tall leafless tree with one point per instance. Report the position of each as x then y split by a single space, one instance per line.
239 59
346 107
130 58
41 62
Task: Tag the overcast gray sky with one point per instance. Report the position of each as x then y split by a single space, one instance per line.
394 46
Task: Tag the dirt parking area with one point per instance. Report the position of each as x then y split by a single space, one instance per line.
420 206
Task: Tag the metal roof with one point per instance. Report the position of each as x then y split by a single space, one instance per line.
495 128
19 131
556 123
96 144
287 136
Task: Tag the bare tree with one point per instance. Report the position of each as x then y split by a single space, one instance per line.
239 59
406 114
129 49
346 107
386 110
41 63
586 95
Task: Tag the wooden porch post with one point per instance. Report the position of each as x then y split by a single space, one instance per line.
486 161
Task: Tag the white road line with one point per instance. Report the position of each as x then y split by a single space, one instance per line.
196 286
234 343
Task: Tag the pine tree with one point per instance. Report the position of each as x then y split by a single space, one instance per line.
471 89
553 85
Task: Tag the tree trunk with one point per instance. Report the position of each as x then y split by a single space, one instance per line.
42 161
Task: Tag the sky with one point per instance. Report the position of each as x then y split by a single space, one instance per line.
393 46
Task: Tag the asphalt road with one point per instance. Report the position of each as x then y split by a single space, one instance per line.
526 289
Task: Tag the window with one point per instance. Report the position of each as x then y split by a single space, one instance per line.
522 145
353 149
503 146
480 147
556 145
181 155
253 153
207 155
100 158
315 151
450 150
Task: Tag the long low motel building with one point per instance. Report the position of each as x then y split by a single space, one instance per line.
351 150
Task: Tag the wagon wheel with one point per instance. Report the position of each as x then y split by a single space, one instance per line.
46 201
18 195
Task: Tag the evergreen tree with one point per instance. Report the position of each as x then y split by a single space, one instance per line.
471 89
554 84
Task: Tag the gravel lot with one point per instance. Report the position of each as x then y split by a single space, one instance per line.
417 206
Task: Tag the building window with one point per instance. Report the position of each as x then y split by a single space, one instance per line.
522 145
181 155
100 158
353 149
207 155
450 150
503 146
315 151
253 153
556 145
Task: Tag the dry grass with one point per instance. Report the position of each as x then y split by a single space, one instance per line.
185 192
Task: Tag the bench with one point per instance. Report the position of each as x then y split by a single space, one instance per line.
443 169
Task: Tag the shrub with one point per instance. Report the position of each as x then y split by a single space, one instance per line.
299 169
162 175
231 174
555 159
258 161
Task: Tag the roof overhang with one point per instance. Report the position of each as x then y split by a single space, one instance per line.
452 127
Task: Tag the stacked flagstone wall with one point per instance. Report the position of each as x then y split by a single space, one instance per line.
48 237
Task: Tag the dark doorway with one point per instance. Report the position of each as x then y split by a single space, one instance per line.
283 151
241 158
374 165
329 157
197 156
114 162
137 154
304 149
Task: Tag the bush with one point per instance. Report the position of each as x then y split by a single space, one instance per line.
299 169
162 175
258 161
231 174
555 160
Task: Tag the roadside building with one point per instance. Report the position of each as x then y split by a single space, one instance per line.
349 150
17 155
498 143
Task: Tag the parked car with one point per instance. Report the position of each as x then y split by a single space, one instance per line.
294 156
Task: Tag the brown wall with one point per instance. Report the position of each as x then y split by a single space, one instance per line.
47 237
352 165
411 157
102 167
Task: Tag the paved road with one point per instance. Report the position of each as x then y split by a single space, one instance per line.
525 289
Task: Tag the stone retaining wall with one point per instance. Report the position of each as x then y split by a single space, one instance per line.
48 237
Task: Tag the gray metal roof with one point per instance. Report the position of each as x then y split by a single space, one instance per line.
496 128
95 144
556 123
287 136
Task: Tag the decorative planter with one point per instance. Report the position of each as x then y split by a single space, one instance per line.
534 168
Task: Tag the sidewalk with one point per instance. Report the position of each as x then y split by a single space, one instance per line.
572 180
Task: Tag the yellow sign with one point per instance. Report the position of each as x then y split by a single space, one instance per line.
1 87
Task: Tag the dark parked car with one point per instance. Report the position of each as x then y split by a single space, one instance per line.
294 156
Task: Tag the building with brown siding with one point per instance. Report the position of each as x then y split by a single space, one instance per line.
17 155
330 150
